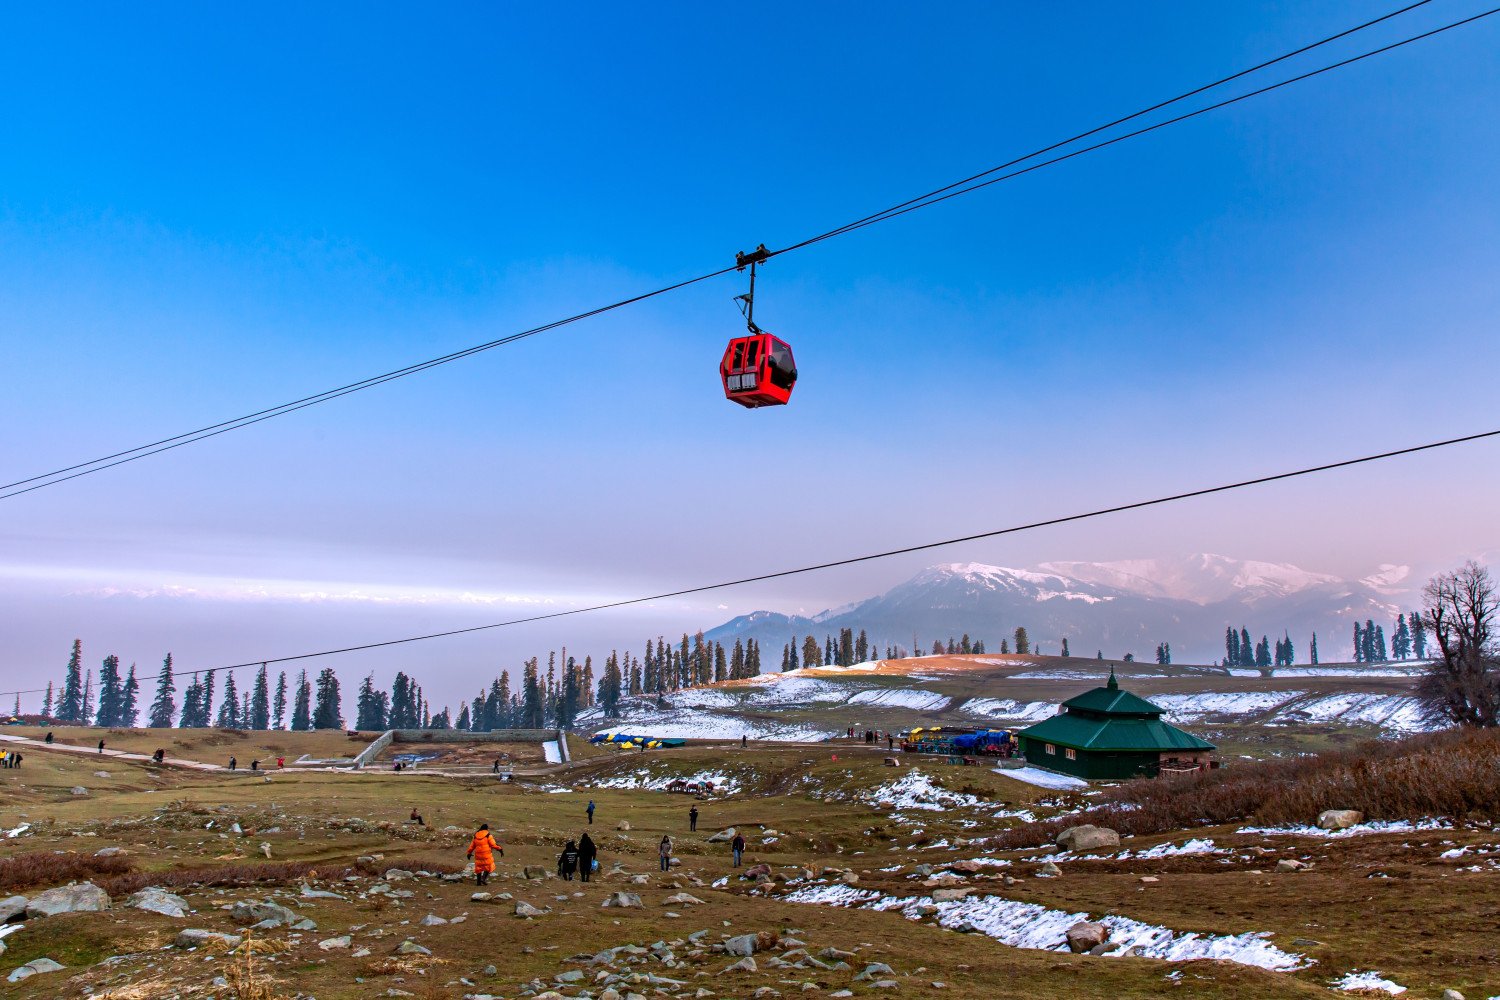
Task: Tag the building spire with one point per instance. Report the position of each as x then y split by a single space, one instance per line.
1113 684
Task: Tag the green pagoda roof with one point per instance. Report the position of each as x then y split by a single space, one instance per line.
1107 718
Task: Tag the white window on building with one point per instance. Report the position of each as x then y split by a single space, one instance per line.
1071 753
1051 748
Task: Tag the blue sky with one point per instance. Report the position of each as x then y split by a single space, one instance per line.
205 211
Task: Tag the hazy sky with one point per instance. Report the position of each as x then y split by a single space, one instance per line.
204 211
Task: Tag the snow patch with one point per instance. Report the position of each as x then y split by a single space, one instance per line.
552 752
1359 829
1367 981
915 790
723 783
1032 926
1006 708
1191 707
920 701
1043 779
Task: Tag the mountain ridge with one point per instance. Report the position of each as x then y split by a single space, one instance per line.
1115 607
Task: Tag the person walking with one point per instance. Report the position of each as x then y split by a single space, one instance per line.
496 768
49 739
280 762
254 766
101 746
744 740
567 861
482 849
590 811
693 819
664 853
234 765
587 852
737 845
890 742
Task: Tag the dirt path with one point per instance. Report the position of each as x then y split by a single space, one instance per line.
107 753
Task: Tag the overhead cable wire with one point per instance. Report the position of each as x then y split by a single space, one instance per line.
852 560
936 196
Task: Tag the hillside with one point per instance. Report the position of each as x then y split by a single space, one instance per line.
1254 713
1117 608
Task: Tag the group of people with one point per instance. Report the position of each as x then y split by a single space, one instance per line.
875 736
235 764
10 758
579 857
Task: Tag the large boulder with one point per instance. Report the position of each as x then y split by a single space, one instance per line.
722 837
155 899
85 897
12 908
35 967
1086 936
1087 838
1340 819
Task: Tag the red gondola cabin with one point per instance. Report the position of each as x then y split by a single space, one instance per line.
758 370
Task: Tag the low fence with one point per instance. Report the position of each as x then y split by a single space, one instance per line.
429 736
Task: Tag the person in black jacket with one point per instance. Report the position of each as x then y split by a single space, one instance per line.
567 861
587 852
693 818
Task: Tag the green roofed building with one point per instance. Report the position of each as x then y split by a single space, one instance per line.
1109 733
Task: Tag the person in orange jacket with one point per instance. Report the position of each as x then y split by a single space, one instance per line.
481 849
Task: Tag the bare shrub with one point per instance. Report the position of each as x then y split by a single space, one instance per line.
54 868
1448 774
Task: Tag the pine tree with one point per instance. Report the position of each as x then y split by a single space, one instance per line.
1418 635
463 719
260 702
737 661
47 704
1064 648
88 697
365 704
128 698
279 705
792 663
1023 643
1099 655
1359 643
70 705
1368 641
328 714
812 656
302 705
1312 650
1231 647
828 653
194 715
111 693
1263 652
533 703
164 706
862 647
572 695
229 709
1004 647
1247 649
1401 638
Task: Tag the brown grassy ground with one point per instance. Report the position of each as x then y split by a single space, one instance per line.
1368 903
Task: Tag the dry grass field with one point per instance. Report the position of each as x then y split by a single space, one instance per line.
1401 903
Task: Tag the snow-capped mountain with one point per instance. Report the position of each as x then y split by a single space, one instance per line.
1117 607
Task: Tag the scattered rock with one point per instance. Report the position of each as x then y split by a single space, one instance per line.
624 824
534 872
254 913
874 969
155 899
1087 838
410 947
397 874
265 850
1340 819
683 899
1290 865
433 920
196 937
12 907
85 897
524 909
109 852
746 964
79 790
1049 868
722 837
1452 995
627 900
948 895
1149 879
335 943
480 897
1085 936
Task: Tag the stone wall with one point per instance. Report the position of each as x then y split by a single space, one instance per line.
420 736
